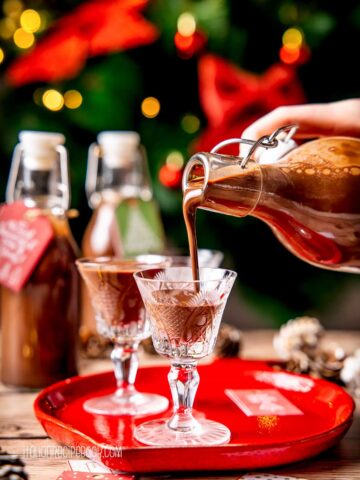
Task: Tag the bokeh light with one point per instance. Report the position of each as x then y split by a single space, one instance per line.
175 160
292 38
73 99
53 100
30 21
23 39
169 177
289 55
7 28
186 24
183 43
2 55
190 123
13 8
150 107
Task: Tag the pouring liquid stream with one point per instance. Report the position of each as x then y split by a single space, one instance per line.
310 199
191 201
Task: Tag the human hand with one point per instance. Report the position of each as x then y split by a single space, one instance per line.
313 120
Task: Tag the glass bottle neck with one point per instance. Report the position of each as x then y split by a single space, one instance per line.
41 189
117 184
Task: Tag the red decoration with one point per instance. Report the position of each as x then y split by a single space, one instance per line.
256 442
233 98
294 56
23 242
95 28
188 46
170 177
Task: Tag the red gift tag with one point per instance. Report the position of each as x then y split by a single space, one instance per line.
23 242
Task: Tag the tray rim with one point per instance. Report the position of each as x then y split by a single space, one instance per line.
41 415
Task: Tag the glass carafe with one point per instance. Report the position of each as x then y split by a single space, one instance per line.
40 322
308 194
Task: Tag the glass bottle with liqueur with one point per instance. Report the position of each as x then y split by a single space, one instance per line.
126 219
40 319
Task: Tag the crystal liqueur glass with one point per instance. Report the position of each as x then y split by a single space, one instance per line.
185 316
120 316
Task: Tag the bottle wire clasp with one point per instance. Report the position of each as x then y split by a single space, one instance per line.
284 134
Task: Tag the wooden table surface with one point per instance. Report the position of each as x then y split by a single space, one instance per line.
21 434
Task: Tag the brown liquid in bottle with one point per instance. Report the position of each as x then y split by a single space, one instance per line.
310 199
101 237
40 323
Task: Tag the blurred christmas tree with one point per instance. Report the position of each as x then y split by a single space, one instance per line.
185 74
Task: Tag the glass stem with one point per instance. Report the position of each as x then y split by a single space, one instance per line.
184 381
126 362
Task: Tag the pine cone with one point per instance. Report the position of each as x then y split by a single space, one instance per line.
12 467
350 373
229 342
328 362
302 333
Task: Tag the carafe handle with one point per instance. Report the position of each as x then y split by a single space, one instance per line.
201 159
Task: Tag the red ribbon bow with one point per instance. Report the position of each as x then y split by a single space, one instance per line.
94 28
233 98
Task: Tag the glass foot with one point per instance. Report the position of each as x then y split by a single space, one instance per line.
157 432
135 404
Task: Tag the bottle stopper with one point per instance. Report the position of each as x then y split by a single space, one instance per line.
40 149
118 148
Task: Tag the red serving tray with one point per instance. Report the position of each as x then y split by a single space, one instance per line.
256 441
